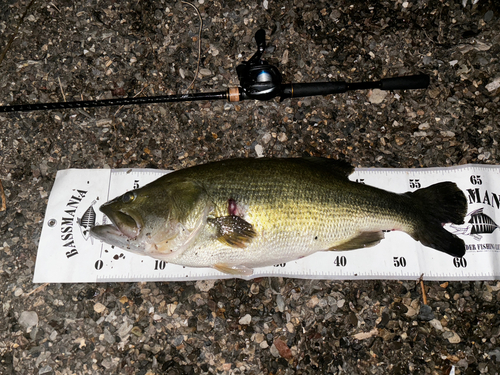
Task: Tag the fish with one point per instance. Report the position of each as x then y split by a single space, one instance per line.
239 214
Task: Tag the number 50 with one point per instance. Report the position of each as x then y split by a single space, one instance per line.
399 261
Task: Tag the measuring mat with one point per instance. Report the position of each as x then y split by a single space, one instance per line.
67 253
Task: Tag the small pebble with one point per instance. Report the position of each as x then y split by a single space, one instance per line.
426 314
266 138
99 307
488 16
108 337
259 150
493 85
377 96
47 369
81 342
171 307
205 285
136 331
124 329
280 303
452 337
205 72
313 302
245 320
259 337
282 348
178 340
28 319
436 324
496 354
274 351
282 137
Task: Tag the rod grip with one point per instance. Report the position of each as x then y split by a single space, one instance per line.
295 90
420 81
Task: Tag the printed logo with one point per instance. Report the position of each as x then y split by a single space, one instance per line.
87 221
476 224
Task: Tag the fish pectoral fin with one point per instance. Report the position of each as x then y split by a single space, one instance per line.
362 240
234 231
237 270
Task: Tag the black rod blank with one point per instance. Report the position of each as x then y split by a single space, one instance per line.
115 102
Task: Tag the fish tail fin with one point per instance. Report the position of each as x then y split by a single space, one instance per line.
439 204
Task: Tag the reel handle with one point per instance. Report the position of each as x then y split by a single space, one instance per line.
260 38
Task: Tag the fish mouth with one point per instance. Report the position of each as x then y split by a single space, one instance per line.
126 223
111 235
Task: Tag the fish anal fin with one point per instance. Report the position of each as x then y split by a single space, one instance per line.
362 240
237 270
234 231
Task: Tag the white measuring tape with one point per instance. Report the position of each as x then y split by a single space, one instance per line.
67 253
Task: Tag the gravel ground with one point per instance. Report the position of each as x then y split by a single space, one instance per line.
88 49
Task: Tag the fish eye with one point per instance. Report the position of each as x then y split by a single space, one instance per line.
128 197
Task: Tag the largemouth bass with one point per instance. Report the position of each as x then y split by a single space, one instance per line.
238 214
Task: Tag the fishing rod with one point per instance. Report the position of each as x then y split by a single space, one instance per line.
258 81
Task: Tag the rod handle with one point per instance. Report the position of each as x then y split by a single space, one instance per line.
295 90
420 81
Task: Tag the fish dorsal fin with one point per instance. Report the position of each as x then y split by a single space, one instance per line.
362 240
338 167
234 231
